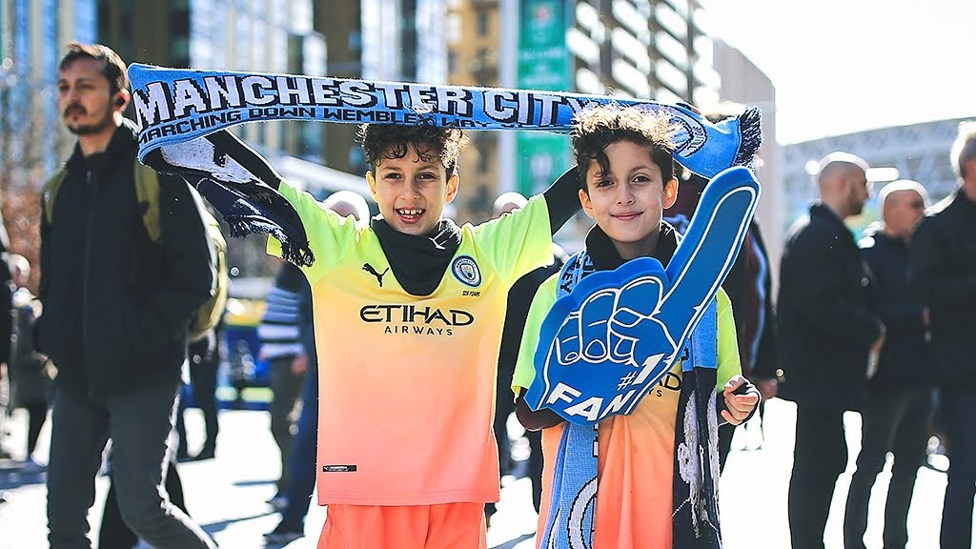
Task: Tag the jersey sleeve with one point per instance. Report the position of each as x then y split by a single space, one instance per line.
729 363
518 242
542 302
330 236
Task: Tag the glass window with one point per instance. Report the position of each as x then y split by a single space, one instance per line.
483 22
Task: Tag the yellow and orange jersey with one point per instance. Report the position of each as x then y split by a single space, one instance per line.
407 383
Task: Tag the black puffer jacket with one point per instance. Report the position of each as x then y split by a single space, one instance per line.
943 268
826 326
904 357
117 305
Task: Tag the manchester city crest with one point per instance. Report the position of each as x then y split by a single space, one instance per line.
466 271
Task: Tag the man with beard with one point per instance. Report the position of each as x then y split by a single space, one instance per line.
827 332
117 307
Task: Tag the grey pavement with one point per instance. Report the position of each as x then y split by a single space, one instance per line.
227 495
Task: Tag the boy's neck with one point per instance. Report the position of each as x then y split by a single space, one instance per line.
645 247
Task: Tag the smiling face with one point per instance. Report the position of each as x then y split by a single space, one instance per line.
411 192
85 98
628 200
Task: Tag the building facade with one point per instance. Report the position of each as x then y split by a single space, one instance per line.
246 35
391 40
652 49
917 151
743 83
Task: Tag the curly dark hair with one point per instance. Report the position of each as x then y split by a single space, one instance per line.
594 129
380 141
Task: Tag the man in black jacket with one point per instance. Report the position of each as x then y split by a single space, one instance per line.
117 307
897 411
943 267
826 331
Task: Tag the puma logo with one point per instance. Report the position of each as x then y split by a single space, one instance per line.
379 276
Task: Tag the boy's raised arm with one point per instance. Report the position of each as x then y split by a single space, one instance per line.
562 198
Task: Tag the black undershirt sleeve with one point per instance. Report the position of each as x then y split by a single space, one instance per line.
562 198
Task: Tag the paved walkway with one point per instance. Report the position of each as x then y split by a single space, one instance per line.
227 495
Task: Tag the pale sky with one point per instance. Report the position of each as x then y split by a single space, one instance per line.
841 66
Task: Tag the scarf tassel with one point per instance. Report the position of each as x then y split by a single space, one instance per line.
750 137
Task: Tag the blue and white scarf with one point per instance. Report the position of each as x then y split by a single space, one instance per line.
181 114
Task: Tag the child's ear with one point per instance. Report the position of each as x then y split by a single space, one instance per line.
670 193
371 182
587 205
452 187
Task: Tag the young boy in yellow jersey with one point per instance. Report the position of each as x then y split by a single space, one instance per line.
643 498
408 316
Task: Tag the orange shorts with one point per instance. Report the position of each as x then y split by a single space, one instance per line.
444 526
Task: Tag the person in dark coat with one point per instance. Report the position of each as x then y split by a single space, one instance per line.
897 412
116 313
827 330
6 327
30 376
943 267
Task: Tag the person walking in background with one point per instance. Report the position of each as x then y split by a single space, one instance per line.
301 461
943 270
6 333
30 376
281 346
117 310
827 331
504 404
203 358
748 285
897 411
519 299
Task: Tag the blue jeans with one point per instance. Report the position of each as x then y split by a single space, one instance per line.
958 408
139 424
301 460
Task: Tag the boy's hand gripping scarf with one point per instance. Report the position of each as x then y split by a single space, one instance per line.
181 114
612 335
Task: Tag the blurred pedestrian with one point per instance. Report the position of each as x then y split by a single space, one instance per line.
203 361
117 309
749 286
301 460
281 346
827 331
897 411
6 332
30 376
943 267
519 299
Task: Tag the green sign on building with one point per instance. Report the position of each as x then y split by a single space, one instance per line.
543 64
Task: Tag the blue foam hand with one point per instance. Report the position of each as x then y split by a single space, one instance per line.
603 346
